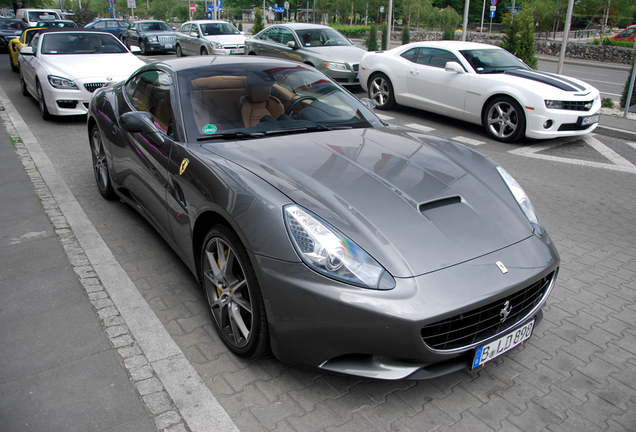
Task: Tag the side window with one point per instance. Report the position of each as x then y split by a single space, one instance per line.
34 41
150 91
411 54
286 35
100 24
435 57
184 28
272 35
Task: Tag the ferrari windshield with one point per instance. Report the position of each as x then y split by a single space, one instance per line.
490 60
252 101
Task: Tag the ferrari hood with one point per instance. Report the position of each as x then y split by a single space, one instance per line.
402 200
94 66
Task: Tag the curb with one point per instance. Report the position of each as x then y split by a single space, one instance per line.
615 133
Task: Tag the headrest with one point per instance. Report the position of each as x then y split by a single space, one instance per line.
258 93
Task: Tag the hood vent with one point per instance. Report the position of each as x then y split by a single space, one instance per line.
439 203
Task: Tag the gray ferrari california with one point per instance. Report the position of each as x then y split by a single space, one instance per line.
319 233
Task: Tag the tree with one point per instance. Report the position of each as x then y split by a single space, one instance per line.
448 20
385 35
372 41
626 88
526 50
406 34
258 21
510 39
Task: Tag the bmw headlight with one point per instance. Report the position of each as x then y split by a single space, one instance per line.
331 253
335 66
61 83
553 104
153 39
522 199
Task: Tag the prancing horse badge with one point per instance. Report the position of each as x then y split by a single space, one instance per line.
184 165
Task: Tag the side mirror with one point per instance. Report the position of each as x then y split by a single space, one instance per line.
454 67
27 51
141 122
292 44
194 34
135 49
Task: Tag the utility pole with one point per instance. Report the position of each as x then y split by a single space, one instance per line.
389 21
566 35
465 26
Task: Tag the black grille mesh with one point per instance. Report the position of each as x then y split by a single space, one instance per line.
480 324
91 87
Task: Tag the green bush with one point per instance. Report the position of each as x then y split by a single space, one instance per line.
372 41
385 35
406 35
608 41
258 21
626 88
351 31
607 103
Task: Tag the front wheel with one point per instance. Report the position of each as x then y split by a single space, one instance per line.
142 48
14 68
204 52
381 92
504 119
100 168
23 87
233 294
44 111
178 51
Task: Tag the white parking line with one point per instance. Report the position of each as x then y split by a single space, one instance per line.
420 127
618 162
470 141
384 117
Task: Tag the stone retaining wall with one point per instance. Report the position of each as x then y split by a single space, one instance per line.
580 51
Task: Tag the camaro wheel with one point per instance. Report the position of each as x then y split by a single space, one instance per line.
233 294
178 51
100 168
44 111
381 92
23 87
504 119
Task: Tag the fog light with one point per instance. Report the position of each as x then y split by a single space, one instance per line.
548 124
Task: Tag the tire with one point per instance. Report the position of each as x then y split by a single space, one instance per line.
44 111
23 87
381 91
178 51
100 167
233 294
504 119
14 68
142 48
204 52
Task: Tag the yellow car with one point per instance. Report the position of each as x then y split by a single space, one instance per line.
16 44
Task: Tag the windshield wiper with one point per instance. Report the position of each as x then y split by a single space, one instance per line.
231 136
300 129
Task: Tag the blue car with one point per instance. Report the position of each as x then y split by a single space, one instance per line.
111 25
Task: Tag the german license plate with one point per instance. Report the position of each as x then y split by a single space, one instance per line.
590 120
237 51
168 46
505 343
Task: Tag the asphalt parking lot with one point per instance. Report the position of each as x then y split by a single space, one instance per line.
577 372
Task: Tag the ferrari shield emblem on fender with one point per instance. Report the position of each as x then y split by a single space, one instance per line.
184 165
501 266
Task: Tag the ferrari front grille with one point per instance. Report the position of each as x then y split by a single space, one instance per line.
475 326
91 87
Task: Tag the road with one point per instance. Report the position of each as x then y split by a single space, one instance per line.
576 372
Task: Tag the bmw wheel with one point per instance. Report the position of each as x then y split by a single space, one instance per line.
504 119
381 92
100 167
233 294
44 111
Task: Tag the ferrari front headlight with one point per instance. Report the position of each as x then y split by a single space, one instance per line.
331 253
521 198
62 83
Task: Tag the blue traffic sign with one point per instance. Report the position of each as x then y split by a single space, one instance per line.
492 14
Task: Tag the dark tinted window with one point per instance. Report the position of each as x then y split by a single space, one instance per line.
435 57
411 54
150 91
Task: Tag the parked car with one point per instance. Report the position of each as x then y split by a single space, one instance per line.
61 68
150 36
10 29
323 47
56 23
316 230
625 35
209 37
32 16
16 44
111 25
481 84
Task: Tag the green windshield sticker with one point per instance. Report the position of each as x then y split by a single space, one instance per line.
209 129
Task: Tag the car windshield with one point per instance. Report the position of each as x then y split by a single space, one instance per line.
313 37
251 102
12 25
217 29
81 43
41 16
492 60
154 26
56 24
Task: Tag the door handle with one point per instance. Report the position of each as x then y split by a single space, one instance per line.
414 71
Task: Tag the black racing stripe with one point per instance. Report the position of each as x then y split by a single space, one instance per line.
564 79
542 78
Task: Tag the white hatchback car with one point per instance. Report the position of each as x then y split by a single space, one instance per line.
209 37
481 84
62 69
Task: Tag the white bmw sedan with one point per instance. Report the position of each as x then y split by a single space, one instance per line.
62 69
481 84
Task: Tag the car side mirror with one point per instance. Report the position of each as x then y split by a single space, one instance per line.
27 51
292 44
141 122
135 49
454 67
194 34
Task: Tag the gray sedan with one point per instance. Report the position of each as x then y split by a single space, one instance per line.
320 46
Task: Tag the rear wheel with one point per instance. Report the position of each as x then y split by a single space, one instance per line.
100 168
233 294
381 92
23 87
504 119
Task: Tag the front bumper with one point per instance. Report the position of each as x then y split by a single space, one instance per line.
318 322
349 77
563 122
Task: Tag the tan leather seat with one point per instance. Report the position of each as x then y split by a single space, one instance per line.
259 103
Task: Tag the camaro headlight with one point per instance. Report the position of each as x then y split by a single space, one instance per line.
521 198
554 104
61 83
331 253
335 66
153 39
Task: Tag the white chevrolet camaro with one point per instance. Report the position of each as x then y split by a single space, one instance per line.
62 69
481 84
